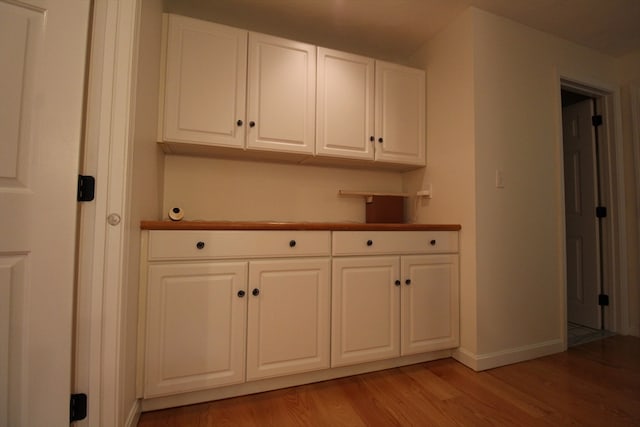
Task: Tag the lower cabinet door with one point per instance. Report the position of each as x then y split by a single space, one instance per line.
195 326
289 317
365 315
430 307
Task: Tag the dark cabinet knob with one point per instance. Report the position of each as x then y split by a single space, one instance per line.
239 122
369 242
252 124
380 140
255 292
397 283
200 245
372 138
241 293
432 242
292 243
407 282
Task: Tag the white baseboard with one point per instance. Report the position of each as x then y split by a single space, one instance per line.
134 414
250 387
481 362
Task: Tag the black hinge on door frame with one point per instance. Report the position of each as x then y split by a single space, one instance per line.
77 407
596 120
603 300
86 188
601 211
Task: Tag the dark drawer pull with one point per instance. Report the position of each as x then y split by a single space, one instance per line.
200 245
292 243
432 242
255 292
369 242
397 283
407 282
241 293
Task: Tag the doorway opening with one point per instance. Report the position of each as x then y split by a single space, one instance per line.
587 194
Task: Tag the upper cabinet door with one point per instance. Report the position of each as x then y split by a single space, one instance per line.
205 83
400 114
281 95
344 126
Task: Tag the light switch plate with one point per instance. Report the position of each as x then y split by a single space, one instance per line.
499 179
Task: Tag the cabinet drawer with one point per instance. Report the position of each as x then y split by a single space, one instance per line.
394 242
167 244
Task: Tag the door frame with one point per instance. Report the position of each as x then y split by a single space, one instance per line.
104 226
607 96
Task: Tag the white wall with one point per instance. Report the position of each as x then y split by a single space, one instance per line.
145 185
629 68
502 79
520 227
449 62
233 190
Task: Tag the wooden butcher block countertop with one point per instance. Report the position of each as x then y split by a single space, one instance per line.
268 225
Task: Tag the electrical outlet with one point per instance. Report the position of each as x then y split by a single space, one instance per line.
425 192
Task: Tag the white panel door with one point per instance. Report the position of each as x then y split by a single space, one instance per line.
195 326
42 73
365 316
344 125
205 83
281 95
400 114
429 306
583 283
289 317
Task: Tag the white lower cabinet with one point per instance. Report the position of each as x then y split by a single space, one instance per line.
366 310
429 303
391 306
217 323
223 308
289 317
196 321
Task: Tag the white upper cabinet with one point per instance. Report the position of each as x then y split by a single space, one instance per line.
281 95
231 91
400 114
204 83
344 125
348 96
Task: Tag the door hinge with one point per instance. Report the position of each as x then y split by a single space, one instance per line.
78 407
601 211
86 188
603 299
596 120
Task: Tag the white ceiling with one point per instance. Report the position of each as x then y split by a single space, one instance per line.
395 29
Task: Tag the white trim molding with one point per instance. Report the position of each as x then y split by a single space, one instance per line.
102 261
607 94
482 362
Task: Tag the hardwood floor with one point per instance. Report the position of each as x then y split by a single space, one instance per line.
594 384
